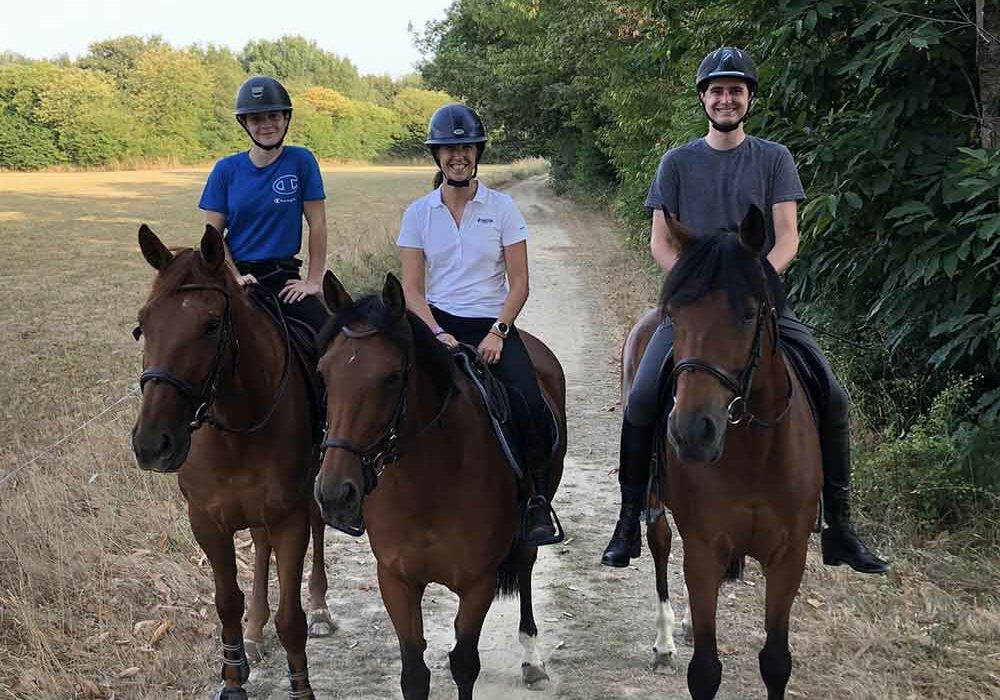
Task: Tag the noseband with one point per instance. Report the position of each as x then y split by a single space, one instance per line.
738 410
384 449
202 400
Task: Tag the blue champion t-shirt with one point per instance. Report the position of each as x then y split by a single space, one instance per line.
263 206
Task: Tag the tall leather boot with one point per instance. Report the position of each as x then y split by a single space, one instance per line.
541 525
841 544
633 476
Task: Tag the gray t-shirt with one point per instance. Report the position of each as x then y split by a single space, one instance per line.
710 190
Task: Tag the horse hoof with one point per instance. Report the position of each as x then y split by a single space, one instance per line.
666 661
231 694
533 676
321 624
253 649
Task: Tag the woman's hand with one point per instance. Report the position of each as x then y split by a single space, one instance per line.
244 280
448 339
490 348
297 290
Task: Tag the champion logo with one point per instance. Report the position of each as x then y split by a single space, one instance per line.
286 185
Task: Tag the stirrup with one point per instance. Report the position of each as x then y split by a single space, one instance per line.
556 538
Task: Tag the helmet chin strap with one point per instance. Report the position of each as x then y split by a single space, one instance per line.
258 144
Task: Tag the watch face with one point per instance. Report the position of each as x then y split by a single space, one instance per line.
503 327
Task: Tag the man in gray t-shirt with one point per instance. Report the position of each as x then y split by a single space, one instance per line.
709 184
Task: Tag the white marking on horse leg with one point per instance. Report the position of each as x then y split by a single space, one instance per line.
532 666
664 649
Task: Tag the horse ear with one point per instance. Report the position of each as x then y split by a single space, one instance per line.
152 248
334 293
753 231
679 233
393 296
213 248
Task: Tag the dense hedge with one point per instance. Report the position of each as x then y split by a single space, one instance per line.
135 98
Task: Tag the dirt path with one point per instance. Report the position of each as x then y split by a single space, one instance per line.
596 625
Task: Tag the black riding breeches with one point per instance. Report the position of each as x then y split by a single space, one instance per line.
516 372
273 274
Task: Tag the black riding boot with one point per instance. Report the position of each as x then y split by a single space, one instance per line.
633 477
541 526
841 544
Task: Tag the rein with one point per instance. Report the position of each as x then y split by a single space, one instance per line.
202 401
738 410
385 449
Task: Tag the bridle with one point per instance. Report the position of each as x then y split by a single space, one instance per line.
738 410
203 400
385 449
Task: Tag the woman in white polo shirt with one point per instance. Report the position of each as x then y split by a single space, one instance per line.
465 273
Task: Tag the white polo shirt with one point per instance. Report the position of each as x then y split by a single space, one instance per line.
466 274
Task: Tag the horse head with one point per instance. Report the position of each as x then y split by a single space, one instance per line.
189 343
722 296
367 357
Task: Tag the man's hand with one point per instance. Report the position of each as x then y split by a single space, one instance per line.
244 280
297 290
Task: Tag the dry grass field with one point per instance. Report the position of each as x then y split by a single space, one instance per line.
96 556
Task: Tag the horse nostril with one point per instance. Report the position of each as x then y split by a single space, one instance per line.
708 431
166 445
347 496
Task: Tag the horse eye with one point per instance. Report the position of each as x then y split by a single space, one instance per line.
212 326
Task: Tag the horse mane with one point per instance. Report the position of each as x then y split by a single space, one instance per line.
719 261
432 357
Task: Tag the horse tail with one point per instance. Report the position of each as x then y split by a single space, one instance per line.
734 572
507 573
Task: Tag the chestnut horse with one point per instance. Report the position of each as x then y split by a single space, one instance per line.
212 357
411 456
742 469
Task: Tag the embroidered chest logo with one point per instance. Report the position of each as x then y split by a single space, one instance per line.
286 185
480 220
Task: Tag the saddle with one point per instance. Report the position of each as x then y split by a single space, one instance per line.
302 342
497 403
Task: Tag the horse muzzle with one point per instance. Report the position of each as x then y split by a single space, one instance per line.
158 450
340 504
696 436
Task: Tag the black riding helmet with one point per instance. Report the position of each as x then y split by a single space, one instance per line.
259 94
727 62
456 124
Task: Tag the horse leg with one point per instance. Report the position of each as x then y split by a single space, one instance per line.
703 574
259 612
402 602
664 650
473 604
218 547
783 574
291 539
321 623
532 666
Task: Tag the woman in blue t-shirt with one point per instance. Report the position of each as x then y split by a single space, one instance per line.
260 196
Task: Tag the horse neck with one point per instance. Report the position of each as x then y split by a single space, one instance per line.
251 383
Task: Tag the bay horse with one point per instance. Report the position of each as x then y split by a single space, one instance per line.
212 357
411 455
741 469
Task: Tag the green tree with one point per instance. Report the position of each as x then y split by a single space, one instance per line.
303 62
117 57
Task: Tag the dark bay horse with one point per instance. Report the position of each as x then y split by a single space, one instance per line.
211 357
742 469
412 456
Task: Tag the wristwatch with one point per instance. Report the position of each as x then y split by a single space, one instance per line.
500 328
